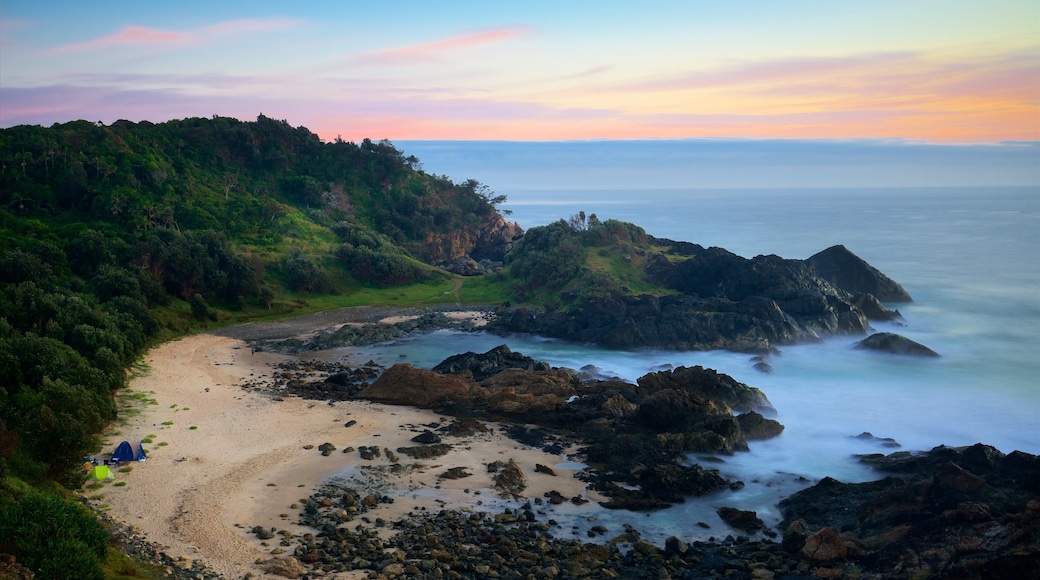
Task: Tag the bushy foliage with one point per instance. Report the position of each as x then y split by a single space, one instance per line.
53 536
382 267
553 258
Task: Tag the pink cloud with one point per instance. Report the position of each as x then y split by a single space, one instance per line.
433 49
127 36
140 36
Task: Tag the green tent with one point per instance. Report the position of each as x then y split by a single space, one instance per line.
101 472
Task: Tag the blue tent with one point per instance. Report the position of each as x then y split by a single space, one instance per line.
129 451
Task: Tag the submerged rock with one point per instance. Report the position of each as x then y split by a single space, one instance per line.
893 343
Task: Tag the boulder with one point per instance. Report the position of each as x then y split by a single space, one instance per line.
709 384
481 366
754 426
509 481
824 546
403 384
287 567
427 437
893 343
850 273
743 520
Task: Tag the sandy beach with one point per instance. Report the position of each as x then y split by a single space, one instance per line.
223 459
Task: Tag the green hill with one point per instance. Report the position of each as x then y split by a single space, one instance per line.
113 238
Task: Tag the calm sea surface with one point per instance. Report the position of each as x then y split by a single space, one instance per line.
970 257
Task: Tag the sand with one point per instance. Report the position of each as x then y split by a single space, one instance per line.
223 459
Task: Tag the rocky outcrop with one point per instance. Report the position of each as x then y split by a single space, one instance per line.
470 251
850 273
723 301
895 344
481 366
967 512
709 384
403 384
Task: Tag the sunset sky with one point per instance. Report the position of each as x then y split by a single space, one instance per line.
941 71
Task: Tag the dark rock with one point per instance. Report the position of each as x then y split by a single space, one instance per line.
618 406
539 468
709 384
825 546
763 367
874 309
427 438
883 441
463 428
509 481
326 448
455 473
938 514
754 426
744 520
425 451
895 344
850 273
481 366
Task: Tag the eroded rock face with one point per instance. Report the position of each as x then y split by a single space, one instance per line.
893 343
471 251
850 273
403 384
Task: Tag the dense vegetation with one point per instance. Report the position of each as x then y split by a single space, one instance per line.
114 237
571 261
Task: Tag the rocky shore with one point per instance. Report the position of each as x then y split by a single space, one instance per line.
949 513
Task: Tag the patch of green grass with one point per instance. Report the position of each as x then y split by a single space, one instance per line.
95 485
126 469
146 440
193 427
119 483
167 423
140 369
120 566
98 496
161 444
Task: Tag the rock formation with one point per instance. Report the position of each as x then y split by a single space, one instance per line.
895 344
967 512
849 272
403 384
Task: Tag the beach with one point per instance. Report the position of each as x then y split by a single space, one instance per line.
223 459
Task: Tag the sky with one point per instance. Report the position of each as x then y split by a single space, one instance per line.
931 71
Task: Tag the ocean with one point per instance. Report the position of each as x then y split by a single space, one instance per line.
970 258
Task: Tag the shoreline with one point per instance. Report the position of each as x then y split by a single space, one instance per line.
224 459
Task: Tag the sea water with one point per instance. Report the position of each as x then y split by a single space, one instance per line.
970 258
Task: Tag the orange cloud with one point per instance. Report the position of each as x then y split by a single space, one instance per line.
430 50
